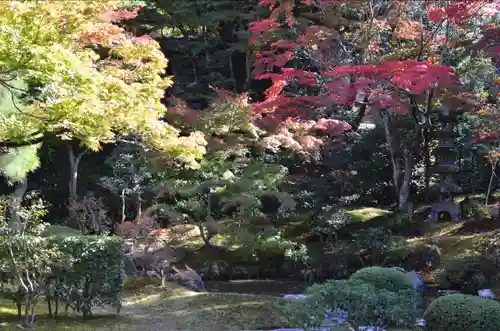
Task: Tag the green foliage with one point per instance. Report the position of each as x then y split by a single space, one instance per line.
328 222
230 185
130 170
474 210
16 163
26 257
467 273
268 248
462 313
366 305
93 274
81 93
390 279
214 39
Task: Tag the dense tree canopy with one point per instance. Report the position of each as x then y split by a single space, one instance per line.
83 78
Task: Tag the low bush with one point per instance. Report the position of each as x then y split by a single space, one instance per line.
474 209
467 273
460 312
366 305
390 279
92 275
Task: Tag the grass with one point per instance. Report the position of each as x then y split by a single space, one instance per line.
151 307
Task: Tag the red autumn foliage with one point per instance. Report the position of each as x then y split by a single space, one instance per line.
387 84
122 15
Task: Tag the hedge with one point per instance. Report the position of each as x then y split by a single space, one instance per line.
390 279
462 312
92 273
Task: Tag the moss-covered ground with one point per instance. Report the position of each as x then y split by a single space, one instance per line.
151 308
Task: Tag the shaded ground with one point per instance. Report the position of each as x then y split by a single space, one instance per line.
152 308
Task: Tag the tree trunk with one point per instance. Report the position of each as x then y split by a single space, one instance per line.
16 199
490 184
123 205
27 311
404 188
402 166
139 206
205 237
427 165
74 163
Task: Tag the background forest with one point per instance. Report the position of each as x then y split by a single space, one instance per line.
293 141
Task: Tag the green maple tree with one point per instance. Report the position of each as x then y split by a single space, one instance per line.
92 82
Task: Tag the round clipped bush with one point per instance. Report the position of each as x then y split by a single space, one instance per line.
462 312
390 279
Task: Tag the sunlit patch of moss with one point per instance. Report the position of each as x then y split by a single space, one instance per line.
367 213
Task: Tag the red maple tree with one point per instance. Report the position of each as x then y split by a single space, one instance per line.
363 55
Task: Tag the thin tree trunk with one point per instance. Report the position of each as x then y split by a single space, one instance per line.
490 185
395 160
139 206
248 70
404 190
27 311
427 165
74 163
123 205
401 168
15 204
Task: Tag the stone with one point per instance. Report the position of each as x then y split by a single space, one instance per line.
450 207
486 293
129 266
495 210
417 280
295 296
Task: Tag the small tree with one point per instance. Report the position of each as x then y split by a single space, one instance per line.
229 185
26 256
90 214
130 175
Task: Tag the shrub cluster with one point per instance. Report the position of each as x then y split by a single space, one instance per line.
88 271
92 275
391 279
467 273
373 296
461 312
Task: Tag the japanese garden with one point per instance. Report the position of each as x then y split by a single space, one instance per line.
238 165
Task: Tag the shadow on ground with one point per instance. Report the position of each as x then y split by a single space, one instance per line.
154 308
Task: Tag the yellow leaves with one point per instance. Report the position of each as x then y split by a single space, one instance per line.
89 96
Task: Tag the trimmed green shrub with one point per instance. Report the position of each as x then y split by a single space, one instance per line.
365 304
390 279
461 312
467 273
92 274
